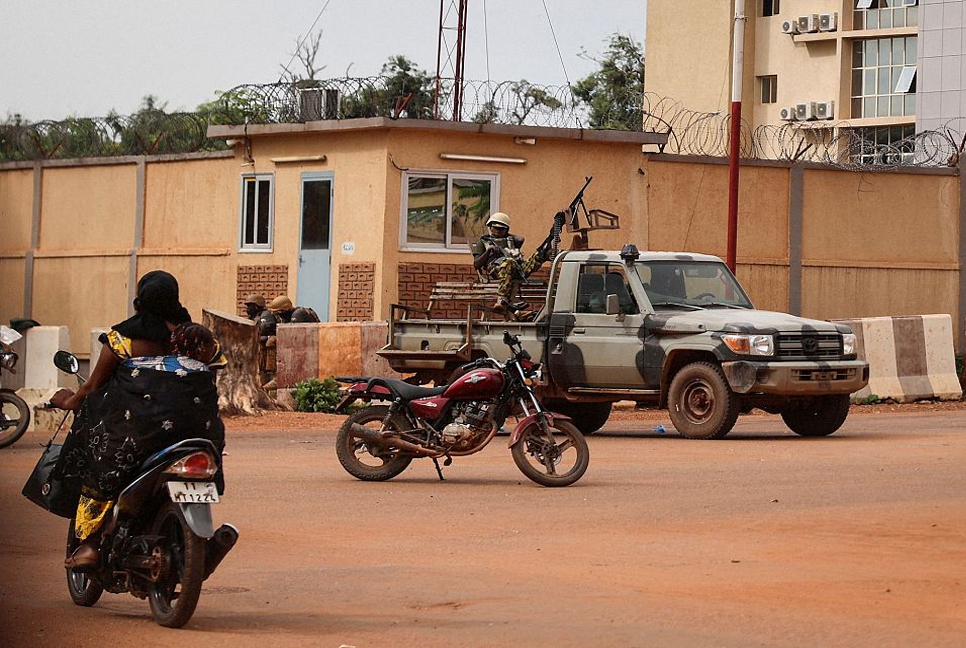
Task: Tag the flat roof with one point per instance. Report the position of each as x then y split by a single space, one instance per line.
377 123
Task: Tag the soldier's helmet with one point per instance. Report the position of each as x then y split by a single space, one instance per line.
499 219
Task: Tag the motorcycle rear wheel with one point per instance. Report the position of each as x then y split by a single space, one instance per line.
14 418
538 455
174 596
83 590
362 462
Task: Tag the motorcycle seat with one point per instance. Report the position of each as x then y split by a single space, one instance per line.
405 390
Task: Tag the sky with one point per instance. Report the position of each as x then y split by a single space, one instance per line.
61 58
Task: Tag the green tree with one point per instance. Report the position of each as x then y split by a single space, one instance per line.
529 98
614 93
401 90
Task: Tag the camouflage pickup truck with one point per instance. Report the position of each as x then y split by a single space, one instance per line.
665 329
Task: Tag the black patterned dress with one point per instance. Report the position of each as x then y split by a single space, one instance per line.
149 403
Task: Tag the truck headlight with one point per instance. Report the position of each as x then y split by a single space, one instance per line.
848 343
756 345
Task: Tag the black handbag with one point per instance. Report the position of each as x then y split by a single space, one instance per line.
50 492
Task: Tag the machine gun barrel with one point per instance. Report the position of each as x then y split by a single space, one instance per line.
580 195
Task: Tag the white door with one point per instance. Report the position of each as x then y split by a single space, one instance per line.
314 269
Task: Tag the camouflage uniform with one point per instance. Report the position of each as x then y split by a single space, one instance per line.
506 263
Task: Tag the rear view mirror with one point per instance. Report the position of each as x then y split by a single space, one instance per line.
66 362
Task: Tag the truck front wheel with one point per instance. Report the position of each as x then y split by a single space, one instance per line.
818 416
700 402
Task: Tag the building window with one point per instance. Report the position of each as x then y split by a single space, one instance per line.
769 8
884 77
447 210
257 204
885 145
769 89
885 14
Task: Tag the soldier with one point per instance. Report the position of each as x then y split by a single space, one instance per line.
499 255
287 313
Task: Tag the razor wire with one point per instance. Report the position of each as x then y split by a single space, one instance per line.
689 132
145 133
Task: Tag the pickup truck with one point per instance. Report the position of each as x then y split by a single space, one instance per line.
665 329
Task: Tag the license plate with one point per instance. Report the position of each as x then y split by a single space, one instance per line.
822 375
193 492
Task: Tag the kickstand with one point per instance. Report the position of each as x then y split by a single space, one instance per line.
439 471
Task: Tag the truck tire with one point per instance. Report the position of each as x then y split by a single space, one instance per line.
700 402
818 416
586 417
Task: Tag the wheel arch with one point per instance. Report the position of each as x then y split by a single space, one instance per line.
679 358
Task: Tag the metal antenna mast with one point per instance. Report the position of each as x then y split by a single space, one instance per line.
451 53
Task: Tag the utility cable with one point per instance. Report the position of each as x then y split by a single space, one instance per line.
302 40
486 45
554 34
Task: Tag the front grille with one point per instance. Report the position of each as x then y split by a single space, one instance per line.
809 346
818 375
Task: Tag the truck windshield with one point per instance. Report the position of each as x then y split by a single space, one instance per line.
704 284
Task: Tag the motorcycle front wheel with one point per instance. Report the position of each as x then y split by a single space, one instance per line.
365 462
174 596
14 418
83 590
557 457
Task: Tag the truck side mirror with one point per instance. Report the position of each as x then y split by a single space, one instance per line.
612 305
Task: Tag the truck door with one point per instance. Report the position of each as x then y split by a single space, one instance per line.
609 347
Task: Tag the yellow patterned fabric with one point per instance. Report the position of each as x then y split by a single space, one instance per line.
90 516
120 345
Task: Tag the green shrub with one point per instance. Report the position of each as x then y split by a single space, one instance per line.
313 395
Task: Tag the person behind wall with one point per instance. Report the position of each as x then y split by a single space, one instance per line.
499 255
287 313
265 323
152 386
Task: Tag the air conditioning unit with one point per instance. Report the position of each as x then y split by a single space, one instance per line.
805 111
808 23
824 109
828 22
790 26
788 113
318 103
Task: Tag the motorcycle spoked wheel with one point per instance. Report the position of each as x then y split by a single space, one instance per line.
14 418
557 457
174 596
363 462
83 590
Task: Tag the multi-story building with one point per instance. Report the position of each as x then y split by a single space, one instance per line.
880 69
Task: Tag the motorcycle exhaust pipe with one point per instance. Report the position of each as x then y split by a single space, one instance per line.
218 547
376 438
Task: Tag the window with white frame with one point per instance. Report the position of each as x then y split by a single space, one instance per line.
447 210
769 89
257 211
769 8
884 77
884 145
885 14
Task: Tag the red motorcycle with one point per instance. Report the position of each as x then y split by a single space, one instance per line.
378 442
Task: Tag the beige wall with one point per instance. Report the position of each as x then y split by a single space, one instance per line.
89 207
687 52
16 210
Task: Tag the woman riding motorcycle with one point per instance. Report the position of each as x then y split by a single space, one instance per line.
152 386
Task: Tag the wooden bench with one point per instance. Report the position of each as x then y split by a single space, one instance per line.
449 295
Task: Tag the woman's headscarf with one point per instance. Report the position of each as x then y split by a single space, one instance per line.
156 304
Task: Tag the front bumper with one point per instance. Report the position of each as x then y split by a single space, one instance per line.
797 378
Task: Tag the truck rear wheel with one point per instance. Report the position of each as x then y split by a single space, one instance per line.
700 402
586 417
818 416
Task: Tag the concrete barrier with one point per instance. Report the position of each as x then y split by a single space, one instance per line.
320 350
39 370
910 358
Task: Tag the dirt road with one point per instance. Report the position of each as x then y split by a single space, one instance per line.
763 538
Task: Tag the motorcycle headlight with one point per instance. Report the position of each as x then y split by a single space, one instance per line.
8 359
756 345
849 344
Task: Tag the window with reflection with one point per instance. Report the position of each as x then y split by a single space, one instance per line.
884 77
